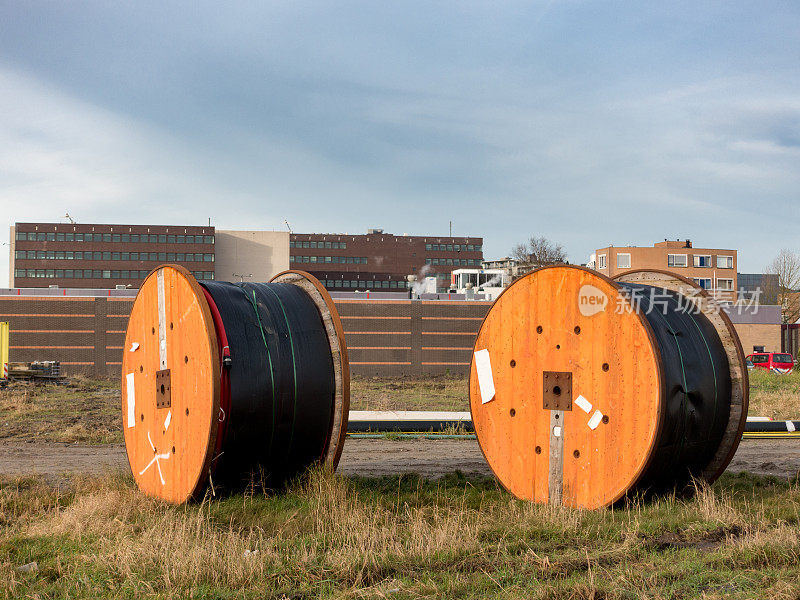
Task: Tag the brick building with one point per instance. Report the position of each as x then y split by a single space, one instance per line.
104 256
713 269
381 260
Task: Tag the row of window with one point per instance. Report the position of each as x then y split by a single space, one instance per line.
700 260
368 284
456 262
308 244
126 238
94 274
67 255
453 248
725 285
673 260
350 260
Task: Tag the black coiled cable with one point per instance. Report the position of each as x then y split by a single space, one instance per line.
282 385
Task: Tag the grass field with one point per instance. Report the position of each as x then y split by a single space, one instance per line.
88 411
399 537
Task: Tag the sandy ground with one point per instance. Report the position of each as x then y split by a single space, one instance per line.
367 457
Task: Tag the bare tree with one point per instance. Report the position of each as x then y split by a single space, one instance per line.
539 251
787 267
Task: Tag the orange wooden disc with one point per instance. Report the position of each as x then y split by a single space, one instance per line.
170 386
559 328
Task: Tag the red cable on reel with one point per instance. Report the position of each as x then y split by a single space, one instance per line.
225 380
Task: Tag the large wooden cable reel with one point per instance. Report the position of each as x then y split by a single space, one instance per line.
582 394
204 405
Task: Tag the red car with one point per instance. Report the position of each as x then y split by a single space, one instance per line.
772 361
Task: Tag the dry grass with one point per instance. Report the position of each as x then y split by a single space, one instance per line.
332 536
440 392
80 410
773 395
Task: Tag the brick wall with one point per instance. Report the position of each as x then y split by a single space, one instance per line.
384 337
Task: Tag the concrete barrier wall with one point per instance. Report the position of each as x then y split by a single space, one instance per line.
384 337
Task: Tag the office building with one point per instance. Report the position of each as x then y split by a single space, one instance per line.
713 269
74 255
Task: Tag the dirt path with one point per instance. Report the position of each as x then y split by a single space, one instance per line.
366 457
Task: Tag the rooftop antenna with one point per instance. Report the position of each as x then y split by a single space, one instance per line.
71 220
289 227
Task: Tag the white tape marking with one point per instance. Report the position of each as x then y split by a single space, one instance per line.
557 431
168 420
134 347
483 366
584 404
131 399
789 426
156 458
595 420
162 320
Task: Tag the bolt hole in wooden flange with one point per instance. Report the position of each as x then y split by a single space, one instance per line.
531 319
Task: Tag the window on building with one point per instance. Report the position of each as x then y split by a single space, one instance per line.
703 282
126 238
724 262
59 237
116 238
78 237
676 260
623 261
702 260
601 261
343 245
51 237
725 284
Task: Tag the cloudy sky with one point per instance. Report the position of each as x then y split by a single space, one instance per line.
591 123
